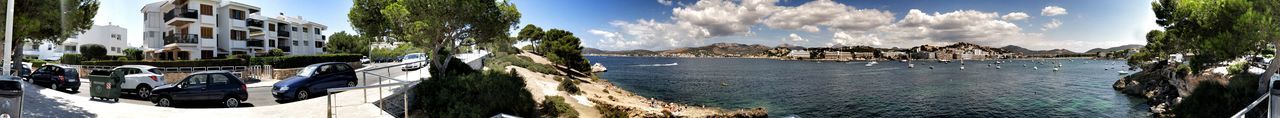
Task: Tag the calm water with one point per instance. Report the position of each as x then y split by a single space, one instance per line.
888 89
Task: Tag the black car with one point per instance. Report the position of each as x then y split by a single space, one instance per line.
313 80
204 86
57 77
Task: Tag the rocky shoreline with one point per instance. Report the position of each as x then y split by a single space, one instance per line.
1158 87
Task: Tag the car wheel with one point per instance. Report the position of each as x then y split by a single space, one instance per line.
351 83
164 102
303 94
54 87
144 91
232 102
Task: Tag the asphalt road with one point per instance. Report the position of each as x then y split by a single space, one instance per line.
258 96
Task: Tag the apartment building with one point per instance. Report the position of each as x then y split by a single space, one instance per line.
204 29
112 37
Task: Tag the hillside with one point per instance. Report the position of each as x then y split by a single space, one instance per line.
1025 51
1113 49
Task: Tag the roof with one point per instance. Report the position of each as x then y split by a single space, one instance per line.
211 71
137 66
154 7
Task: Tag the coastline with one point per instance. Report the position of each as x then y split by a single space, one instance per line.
600 98
845 60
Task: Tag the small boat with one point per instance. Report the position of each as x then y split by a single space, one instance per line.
869 64
724 84
1055 69
997 67
961 67
999 62
1036 68
903 61
930 67
911 65
1122 72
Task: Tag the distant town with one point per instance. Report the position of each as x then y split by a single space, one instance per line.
957 51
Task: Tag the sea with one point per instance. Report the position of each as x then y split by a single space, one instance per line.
789 88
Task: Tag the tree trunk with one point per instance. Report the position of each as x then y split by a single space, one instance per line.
1264 82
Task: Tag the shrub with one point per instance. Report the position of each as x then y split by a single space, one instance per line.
1211 99
569 85
93 51
1238 67
37 63
275 52
526 63
133 54
303 60
175 63
563 48
554 106
462 94
73 59
611 111
122 58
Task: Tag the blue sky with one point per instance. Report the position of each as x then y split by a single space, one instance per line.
651 24
332 13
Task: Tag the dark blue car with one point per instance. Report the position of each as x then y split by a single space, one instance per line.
204 86
57 77
314 80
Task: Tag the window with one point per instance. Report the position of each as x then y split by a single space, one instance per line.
218 79
305 30
196 80
206 32
237 14
294 28
319 44
206 9
71 48
271 43
239 35
295 43
317 30
271 27
35 46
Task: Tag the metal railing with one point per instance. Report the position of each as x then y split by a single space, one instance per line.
181 12
188 38
405 87
1243 113
254 23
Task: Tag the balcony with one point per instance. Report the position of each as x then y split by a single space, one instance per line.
255 43
282 33
190 14
189 38
254 23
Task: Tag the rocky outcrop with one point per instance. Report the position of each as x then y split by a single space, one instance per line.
1158 86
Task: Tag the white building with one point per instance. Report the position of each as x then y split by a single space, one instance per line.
112 37
203 29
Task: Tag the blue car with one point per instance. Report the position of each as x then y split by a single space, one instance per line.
314 80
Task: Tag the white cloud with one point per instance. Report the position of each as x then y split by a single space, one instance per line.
850 38
809 16
1052 25
918 27
722 17
1053 11
665 2
796 38
1015 16
651 34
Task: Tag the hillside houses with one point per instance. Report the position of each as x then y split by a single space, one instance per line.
958 51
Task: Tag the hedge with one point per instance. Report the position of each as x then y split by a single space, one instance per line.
301 61
175 63
73 59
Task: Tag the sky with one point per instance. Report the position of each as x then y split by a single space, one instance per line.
331 13
1077 25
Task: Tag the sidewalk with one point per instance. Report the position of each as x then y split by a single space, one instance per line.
49 103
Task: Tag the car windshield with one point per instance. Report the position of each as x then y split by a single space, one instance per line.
307 71
411 56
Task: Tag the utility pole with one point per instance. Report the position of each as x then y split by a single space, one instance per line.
8 37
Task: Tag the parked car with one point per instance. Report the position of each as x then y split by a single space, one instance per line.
365 60
315 79
139 79
204 86
23 70
57 77
412 61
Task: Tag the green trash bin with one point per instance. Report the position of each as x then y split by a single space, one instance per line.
105 85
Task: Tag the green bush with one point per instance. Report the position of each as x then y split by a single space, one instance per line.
1238 67
122 58
1211 99
37 63
525 62
569 85
133 54
555 107
303 60
275 52
473 95
73 59
611 111
175 63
